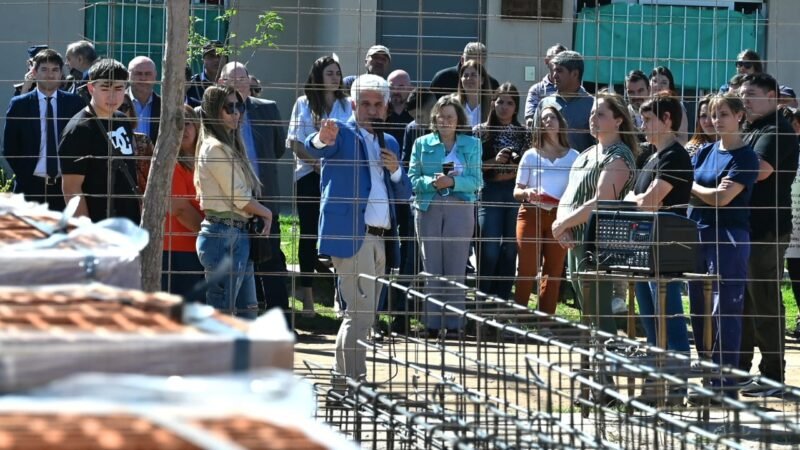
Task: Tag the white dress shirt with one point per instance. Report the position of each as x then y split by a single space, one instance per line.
41 164
473 115
301 125
377 212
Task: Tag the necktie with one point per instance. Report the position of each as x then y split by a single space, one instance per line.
52 152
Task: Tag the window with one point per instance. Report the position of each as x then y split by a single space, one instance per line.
532 9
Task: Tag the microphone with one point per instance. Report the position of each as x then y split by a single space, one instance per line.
378 128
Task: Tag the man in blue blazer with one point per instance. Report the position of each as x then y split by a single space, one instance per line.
361 181
33 131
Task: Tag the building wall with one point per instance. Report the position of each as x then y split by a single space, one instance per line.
318 27
23 24
348 27
783 57
515 44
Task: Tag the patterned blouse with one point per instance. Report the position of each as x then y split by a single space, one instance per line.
513 136
585 174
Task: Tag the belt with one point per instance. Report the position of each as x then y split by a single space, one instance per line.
239 224
377 231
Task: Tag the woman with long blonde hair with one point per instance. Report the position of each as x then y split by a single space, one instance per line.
227 188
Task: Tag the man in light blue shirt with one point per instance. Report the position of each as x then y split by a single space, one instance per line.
543 88
142 76
571 99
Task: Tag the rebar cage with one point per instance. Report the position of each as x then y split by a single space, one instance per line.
518 378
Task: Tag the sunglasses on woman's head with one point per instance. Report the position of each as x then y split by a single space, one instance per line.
230 108
745 64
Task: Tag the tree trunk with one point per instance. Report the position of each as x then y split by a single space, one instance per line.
159 184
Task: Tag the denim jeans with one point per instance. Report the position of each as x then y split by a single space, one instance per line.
497 242
233 290
677 333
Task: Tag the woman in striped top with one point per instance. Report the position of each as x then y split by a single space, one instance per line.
602 172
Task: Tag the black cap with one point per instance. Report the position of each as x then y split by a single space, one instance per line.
212 46
33 50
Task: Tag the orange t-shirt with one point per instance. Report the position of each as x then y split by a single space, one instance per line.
177 237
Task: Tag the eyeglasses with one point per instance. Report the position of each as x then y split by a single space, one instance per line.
232 108
746 64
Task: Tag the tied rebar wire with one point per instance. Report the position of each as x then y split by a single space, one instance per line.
579 388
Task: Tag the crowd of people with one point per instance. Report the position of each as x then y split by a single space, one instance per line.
443 179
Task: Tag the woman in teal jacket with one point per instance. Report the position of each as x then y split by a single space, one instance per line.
445 173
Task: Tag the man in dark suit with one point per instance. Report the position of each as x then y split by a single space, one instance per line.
142 73
80 56
265 138
31 145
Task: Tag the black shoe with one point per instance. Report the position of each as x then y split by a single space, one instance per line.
376 334
761 389
323 264
399 326
599 399
696 399
649 396
431 333
453 335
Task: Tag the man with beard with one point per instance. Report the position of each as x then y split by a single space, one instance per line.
571 99
637 90
398 117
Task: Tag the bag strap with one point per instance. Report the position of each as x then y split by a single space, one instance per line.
116 163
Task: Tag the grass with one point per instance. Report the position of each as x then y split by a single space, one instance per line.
323 322
788 301
290 232
568 312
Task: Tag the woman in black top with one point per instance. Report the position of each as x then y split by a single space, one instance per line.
664 183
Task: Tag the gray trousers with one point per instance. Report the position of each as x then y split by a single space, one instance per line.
445 232
361 296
